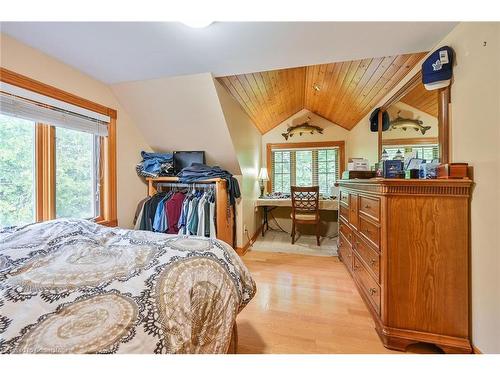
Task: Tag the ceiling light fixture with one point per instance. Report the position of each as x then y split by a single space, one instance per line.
197 23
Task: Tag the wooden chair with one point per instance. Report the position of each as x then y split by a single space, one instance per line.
305 208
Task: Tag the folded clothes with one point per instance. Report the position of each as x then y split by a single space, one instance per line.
155 164
198 172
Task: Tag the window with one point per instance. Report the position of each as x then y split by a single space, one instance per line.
303 164
57 158
281 172
77 174
17 171
427 152
304 168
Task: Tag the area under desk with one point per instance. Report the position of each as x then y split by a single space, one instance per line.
269 204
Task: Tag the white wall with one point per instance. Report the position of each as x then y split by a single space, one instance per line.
247 143
181 113
475 138
475 124
32 63
363 142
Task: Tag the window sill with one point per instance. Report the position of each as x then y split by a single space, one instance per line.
108 223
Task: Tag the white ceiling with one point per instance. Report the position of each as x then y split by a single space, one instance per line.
127 51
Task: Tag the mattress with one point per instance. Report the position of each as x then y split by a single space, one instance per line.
72 286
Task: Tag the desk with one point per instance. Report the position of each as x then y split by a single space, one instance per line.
270 204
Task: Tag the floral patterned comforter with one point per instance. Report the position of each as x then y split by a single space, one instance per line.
72 286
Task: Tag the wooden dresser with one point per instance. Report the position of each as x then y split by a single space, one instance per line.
406 244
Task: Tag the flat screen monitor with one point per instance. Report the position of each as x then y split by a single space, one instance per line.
183 159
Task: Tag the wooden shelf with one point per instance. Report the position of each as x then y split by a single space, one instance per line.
176 179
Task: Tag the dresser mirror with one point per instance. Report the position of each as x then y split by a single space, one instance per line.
418 123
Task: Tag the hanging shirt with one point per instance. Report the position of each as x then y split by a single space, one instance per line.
206 208
138 212
184 213
160 222
212 220
137 224
189 216
149 211
200 231
193 220
174 208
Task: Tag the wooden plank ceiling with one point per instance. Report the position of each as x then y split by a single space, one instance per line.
342 92
423 100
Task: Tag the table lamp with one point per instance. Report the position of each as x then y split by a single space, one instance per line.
263 176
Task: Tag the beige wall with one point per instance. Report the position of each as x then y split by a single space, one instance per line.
181 113
30 62
475 138
247 143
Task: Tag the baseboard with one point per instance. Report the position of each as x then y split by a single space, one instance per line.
243 250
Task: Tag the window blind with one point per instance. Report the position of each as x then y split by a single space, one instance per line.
427 152
304 166
18 102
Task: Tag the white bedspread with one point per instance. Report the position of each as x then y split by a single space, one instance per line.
71 286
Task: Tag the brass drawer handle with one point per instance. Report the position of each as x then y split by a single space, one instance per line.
367 230
368 206
372 291
373 262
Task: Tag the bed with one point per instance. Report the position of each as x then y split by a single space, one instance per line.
72 286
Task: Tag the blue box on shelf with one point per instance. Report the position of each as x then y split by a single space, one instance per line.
393 168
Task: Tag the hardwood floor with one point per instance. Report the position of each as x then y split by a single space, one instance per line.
305 304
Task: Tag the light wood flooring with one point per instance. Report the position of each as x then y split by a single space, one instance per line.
305 304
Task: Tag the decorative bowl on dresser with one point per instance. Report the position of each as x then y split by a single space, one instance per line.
406 244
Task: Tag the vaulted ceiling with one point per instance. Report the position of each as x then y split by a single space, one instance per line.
423 100
342 92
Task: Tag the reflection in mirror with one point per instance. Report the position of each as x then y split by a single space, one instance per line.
413 126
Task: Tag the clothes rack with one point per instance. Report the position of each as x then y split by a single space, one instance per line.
224 213
180 185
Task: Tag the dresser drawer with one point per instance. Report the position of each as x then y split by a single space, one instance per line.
369 231
346 231
345 252
344 212
370 256
344 197
353 210
370 206
367 283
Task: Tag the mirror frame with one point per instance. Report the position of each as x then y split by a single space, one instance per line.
443 116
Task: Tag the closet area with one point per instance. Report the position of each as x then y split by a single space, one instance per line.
200 209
